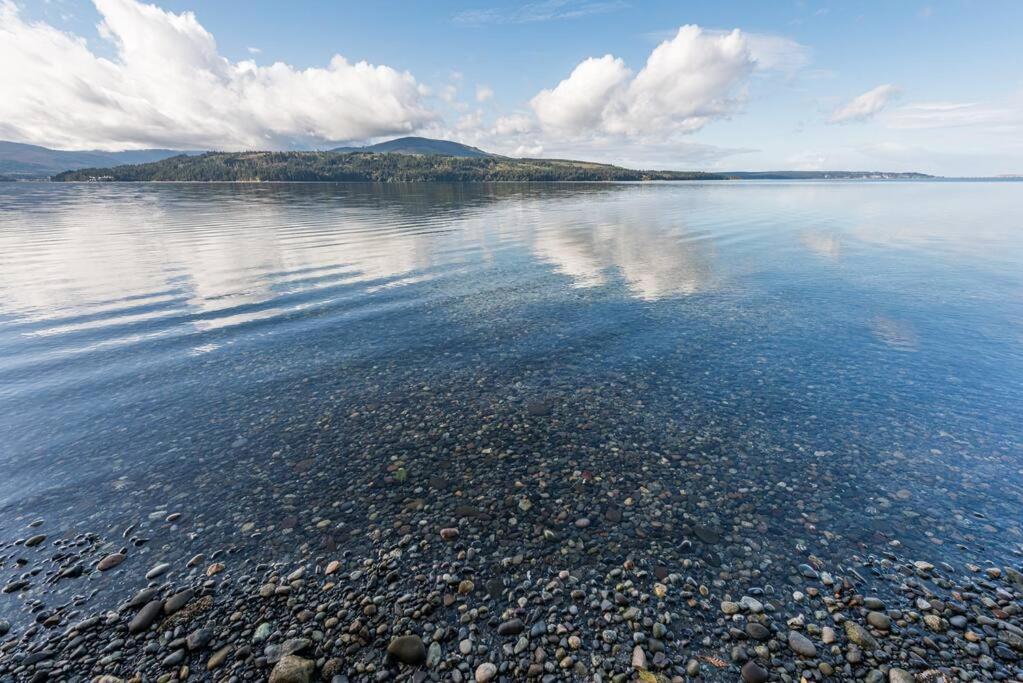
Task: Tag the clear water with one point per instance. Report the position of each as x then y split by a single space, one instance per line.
844 357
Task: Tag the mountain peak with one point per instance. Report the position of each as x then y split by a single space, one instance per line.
420 146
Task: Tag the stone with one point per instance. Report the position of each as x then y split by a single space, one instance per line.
693 668
145 616
879 620
449 534
158 570
859 635
801 645
752 604
896 675
729 607
485 672
511 627
110 561
218 658
707 534
199 639
754 673
408 650
292 669
758 631
638 658
262 632
142 597
177 601
35 540
433 655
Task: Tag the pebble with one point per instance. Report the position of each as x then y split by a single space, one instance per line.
859 635
158 570
292 669
510 628
754 673
758 631
177 601
110 561
896 675
485 672
801 645
638 658
408 649
145 616
218 658
879 620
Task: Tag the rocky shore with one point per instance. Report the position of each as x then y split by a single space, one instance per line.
434 605
537 541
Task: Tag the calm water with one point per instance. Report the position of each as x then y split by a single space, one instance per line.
848 356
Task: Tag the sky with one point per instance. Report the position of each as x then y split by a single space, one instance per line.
935 87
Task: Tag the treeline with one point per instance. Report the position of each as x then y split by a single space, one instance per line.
365 167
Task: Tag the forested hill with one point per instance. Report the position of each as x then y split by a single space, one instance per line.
366 167
414 145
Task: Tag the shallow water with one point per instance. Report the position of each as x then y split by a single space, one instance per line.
841 363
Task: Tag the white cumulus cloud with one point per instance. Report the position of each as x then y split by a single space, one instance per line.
865 106
169 87
514 124
687 81
484 93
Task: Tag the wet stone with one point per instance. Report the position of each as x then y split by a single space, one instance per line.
292 669
158 570
510 628
145 616
110 561
758 631
177 601
199 639
801 645
35 540
408 650
754 673
879 620
859 635
486 672
707 534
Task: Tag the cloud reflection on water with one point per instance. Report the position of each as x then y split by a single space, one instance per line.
178 253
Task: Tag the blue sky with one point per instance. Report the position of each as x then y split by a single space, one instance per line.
940 85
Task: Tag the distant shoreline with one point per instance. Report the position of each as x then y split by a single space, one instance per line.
936 179
358 166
